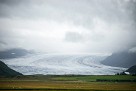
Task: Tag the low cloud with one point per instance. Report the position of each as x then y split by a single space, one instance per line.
73 37
133 50
92 26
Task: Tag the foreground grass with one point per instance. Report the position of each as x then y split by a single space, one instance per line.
68 83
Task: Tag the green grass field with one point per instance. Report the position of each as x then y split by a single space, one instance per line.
68 83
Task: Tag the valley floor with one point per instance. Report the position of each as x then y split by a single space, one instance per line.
68 83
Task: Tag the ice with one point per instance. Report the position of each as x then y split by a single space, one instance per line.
58 64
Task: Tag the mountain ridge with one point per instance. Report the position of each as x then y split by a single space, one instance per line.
132 70
6 71
122 59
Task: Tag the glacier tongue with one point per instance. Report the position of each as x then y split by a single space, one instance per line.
56 64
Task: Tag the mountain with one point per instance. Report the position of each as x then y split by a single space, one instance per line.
132 70
13 53
6 71
122 59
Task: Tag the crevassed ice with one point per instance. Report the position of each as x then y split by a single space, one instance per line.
62 64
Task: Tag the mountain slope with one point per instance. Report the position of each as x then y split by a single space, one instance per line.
132 70
6 71
123 59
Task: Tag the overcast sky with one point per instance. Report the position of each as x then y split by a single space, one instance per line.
68 26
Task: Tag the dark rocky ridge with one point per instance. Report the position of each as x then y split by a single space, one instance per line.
122 59
6 71
132 70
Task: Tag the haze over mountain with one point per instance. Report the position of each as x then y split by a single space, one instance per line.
94 27
14 53
121 59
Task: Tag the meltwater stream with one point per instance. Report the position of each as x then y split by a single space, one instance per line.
58 64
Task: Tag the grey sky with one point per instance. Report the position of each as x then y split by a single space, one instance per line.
68 26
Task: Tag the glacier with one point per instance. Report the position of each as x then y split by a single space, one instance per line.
59 64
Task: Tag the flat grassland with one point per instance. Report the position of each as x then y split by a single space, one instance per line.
68 83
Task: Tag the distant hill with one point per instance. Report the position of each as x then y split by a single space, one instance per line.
132 70
13 53
122 59
6 71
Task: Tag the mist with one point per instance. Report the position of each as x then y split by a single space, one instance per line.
68 26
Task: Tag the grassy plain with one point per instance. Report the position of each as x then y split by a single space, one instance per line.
68 83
